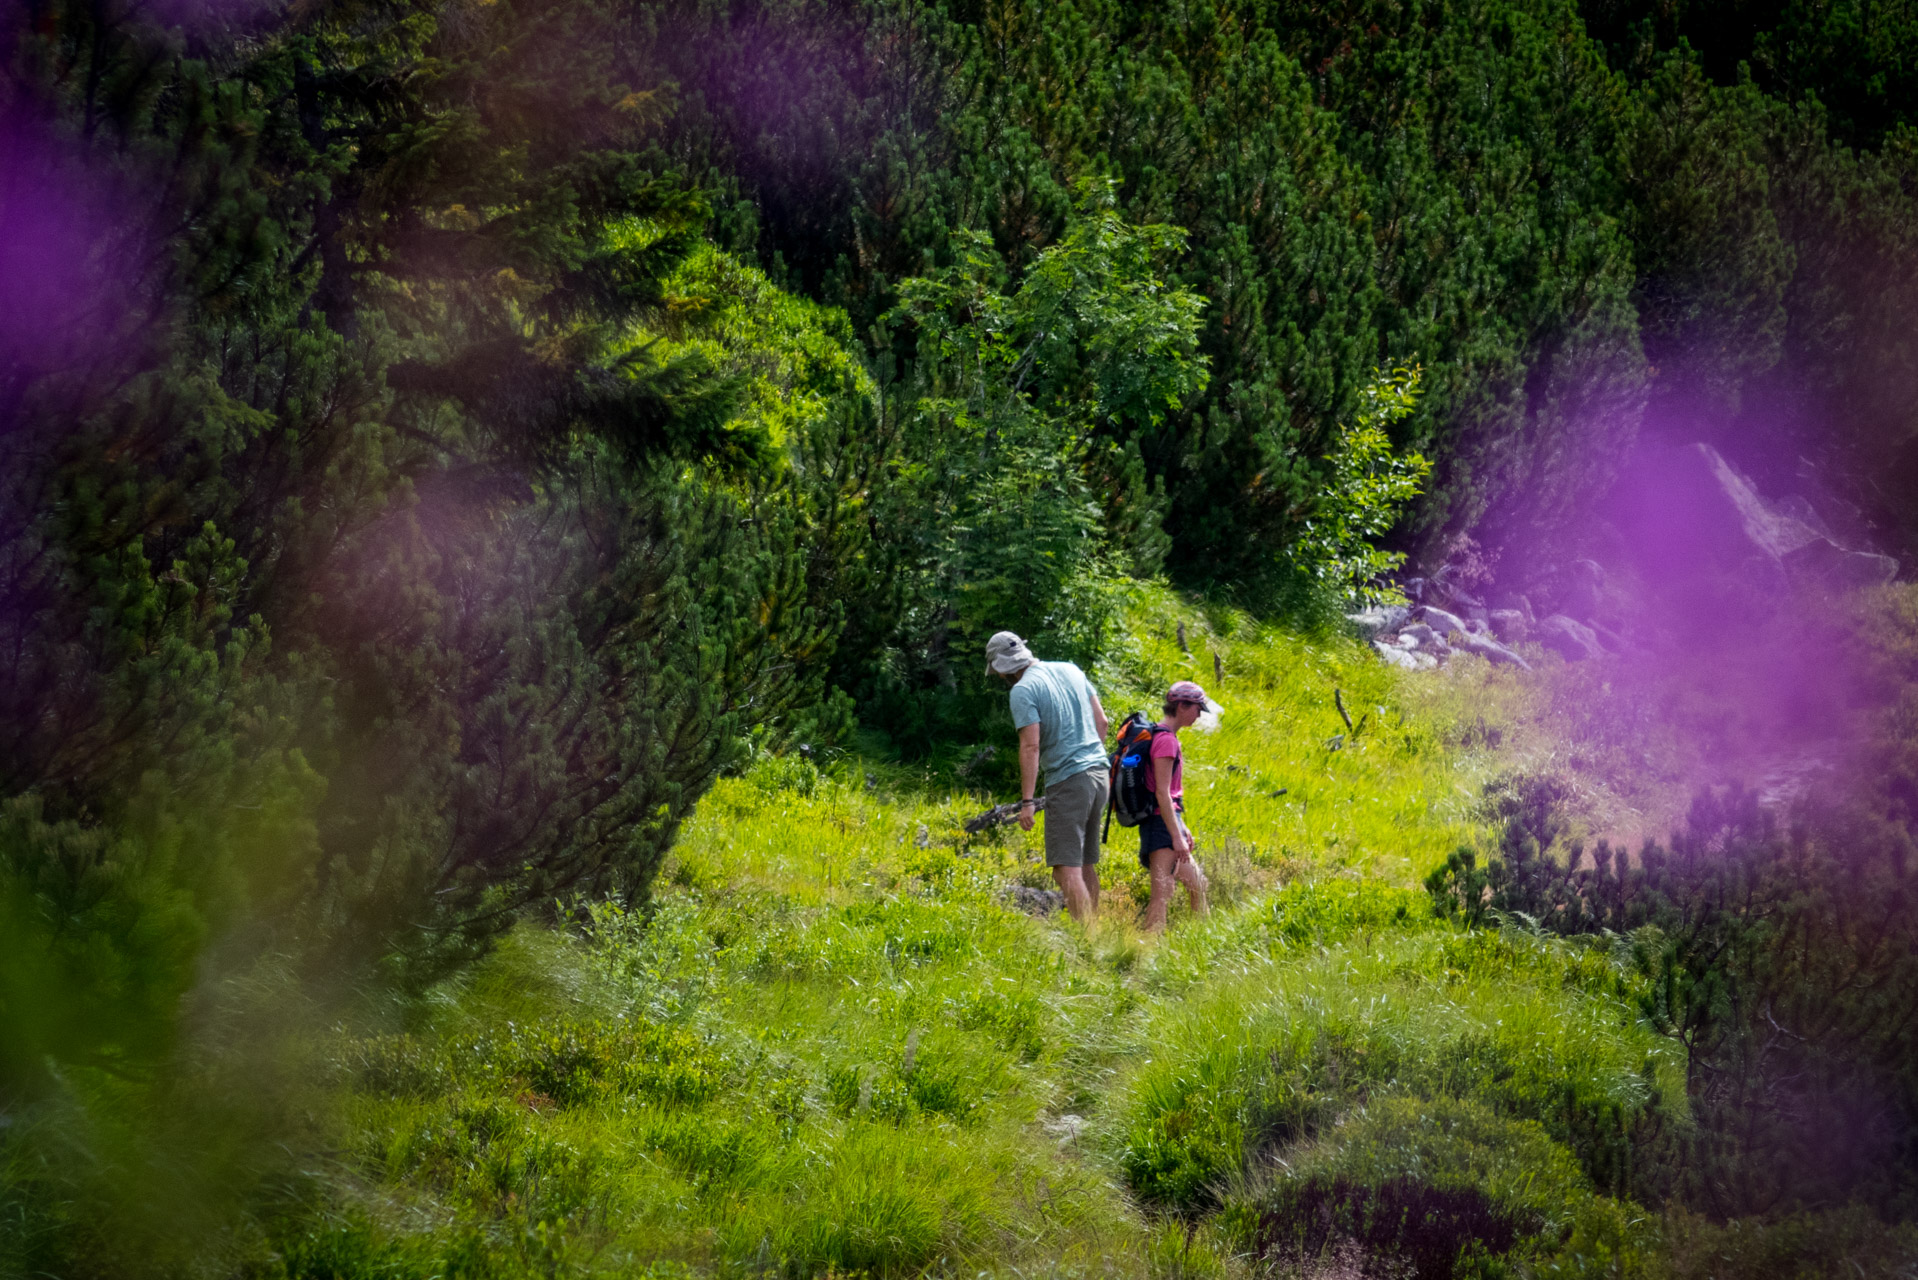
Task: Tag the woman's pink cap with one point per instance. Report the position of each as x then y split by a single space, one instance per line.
1187 691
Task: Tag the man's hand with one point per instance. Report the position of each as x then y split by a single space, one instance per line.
1025 814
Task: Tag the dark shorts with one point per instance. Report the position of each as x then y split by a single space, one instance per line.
1154 834
1075 808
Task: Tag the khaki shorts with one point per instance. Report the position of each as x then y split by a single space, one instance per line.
1075 808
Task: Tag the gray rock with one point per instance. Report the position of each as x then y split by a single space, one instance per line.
1439 620
1374 622
1825 561
1035 902
1429 641
1611 639
1844 519
1584 592
1574 640
1509 625
1692 509
1869 569
1764 575
1491 650
1799 508
1395 656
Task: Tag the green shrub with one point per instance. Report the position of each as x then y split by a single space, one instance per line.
1287 1045
1442 1186
1366 488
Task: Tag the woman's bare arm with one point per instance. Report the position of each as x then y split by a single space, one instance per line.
1162 778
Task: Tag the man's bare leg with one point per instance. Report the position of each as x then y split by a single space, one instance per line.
1090 874
1073 885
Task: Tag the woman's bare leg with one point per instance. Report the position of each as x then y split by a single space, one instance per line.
1189 874
1162 879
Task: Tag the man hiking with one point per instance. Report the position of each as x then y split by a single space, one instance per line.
1062 728
1165 842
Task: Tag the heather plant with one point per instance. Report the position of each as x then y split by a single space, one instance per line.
1780 958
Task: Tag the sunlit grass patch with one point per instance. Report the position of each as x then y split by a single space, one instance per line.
1286 785
873 1110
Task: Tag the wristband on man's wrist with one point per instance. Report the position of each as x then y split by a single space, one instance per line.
1028 800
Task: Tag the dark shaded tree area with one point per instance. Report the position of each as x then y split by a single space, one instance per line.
1574 241
364 580
408 512
1860 60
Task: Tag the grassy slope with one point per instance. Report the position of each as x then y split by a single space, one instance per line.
837 1046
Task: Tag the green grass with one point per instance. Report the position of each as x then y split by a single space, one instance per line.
837 1048
1288 1038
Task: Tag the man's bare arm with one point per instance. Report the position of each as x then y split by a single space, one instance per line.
1028 770
1028 761
1099 720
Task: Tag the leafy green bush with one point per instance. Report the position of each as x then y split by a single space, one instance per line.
1015 507
1366 489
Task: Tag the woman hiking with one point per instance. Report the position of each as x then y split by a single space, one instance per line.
1165 842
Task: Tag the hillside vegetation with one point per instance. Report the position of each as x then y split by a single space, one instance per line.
502 503
837 1045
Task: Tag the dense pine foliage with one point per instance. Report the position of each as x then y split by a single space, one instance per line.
1563 230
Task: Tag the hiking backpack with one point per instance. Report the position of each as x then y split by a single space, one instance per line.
1133 798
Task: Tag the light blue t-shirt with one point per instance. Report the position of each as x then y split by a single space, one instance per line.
1058 698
